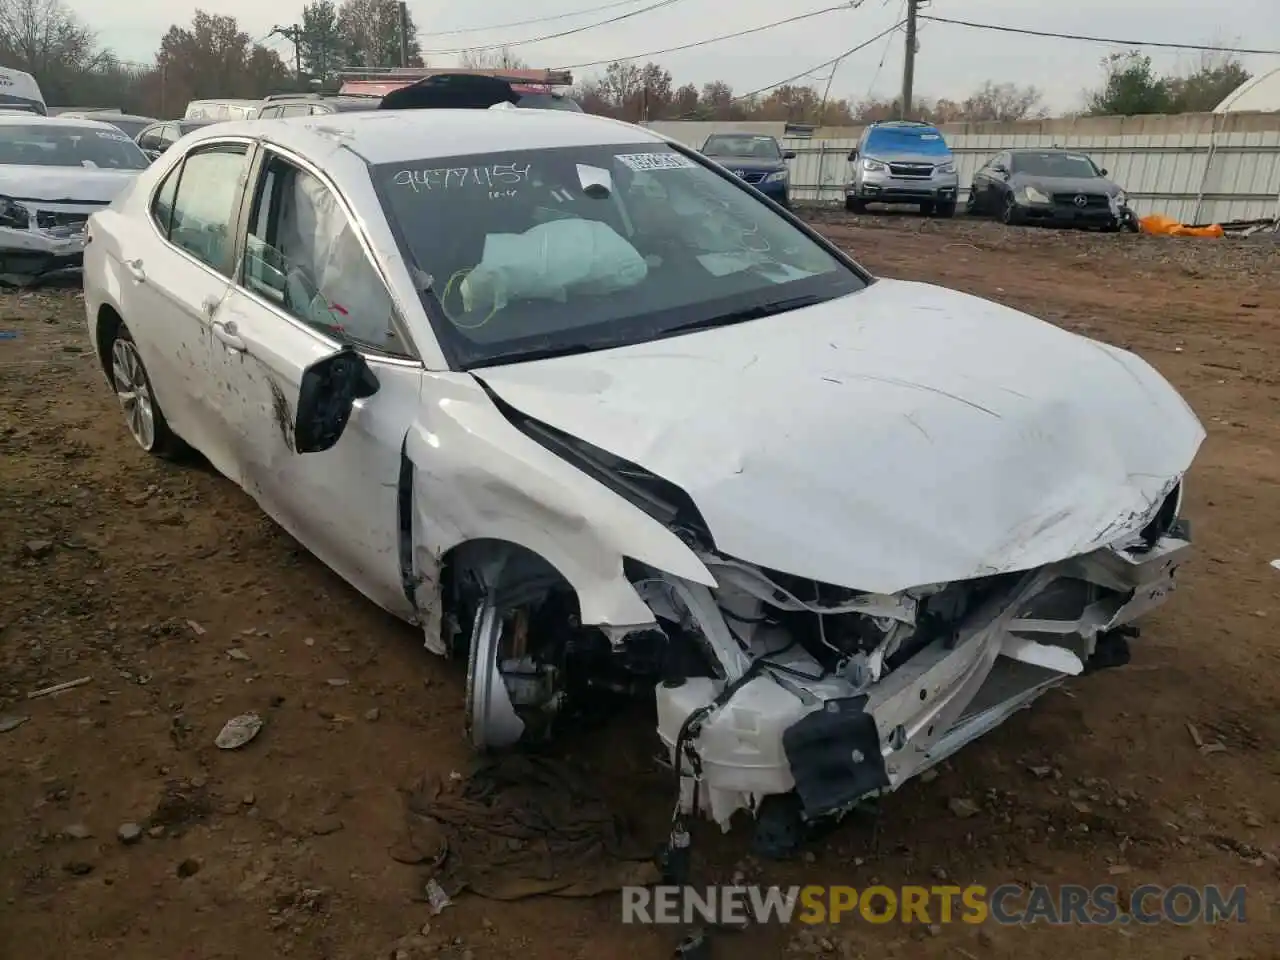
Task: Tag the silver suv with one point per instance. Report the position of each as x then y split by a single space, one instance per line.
902 161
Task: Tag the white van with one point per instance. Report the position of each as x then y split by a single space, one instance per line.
19 91
222 110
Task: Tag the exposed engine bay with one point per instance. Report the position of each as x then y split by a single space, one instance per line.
775 690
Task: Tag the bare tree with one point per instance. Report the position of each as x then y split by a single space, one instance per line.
501 59
46 39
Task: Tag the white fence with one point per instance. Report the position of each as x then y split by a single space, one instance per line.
1212 169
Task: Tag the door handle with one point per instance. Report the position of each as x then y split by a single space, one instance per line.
135 269
227 333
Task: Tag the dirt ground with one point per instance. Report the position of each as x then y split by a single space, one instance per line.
143 575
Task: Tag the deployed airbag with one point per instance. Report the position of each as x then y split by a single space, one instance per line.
546 261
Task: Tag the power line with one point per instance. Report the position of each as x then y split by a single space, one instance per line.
884 55
554 36
848 5
525 23
1208 48
814 69
826 63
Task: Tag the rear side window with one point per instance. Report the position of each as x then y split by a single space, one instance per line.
162 205
206 203
266 113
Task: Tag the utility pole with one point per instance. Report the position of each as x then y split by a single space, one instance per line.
294 35
404 33
909 59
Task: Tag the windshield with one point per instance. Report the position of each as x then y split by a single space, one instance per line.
745 147
906 141
540 251
1054 165
63 145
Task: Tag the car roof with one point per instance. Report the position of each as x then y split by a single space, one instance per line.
81 123
392 136
108 117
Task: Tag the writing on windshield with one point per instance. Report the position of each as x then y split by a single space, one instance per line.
551 249
50 145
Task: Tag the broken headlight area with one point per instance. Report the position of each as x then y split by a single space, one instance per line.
37 243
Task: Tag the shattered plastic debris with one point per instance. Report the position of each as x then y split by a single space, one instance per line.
238 731
437 898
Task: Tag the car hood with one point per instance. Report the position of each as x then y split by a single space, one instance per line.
900 436
63 184
749 164
901 156
1065 184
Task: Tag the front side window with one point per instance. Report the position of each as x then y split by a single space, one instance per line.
204 209
742 146
1074 165
566 249
303 255
51 144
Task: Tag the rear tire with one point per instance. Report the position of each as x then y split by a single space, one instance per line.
143 417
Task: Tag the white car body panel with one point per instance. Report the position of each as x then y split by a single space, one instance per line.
901 441
914 470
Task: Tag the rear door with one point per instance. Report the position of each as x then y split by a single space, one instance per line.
306 286
178 274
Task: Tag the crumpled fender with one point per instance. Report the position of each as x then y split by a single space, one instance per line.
478 477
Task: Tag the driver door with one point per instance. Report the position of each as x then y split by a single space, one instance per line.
304 288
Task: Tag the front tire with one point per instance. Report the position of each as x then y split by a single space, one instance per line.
855 205
1009 215
143 417
945 210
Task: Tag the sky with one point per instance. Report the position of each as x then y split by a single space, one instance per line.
952 60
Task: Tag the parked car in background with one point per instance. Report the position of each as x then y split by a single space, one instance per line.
756 159
1052 187
598 418
222 109
54 173
19 91
903 162
127 123
313 104
529 89
160 136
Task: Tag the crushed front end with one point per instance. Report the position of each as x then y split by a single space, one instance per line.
827 696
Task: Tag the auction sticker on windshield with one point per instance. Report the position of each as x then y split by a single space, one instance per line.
646 162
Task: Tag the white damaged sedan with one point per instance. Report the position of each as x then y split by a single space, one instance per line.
599 416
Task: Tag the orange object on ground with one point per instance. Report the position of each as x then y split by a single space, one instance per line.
1160 225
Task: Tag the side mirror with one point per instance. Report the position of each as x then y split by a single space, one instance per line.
326 396
1103 171
789 155
853 154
